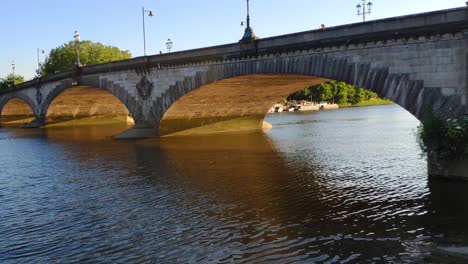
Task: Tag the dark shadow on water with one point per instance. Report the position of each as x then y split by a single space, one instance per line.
448 203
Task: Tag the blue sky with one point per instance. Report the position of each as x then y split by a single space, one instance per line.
26 25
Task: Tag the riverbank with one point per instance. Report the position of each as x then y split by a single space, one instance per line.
303 107
311 106
371 102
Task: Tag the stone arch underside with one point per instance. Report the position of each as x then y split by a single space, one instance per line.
234 104
410 94
16 110
82 102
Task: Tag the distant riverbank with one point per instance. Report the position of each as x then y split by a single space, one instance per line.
312 106
370 102
340 93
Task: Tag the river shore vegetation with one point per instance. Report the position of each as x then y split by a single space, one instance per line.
63 57
343 94
447 138
10 80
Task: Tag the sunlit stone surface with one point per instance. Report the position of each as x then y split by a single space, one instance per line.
16 113
79 104
234 104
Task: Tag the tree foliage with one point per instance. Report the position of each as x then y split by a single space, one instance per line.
10 81
64 57
448 138
335 92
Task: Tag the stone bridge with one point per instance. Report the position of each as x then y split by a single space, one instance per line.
418 61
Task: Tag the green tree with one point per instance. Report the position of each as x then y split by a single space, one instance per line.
341 92
370 95
315 93
305 94
10 81
351 93
301 95
359 96
64 57
334 92
326 92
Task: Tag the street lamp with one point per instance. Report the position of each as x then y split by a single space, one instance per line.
249 35
38 59
150 14
361 9
13 67
169 44
76 38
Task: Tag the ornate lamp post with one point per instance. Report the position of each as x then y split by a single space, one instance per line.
169 45
13 67
76 39
150 14
38 59
361 9
249 35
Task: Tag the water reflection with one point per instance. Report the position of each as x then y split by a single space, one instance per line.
448 203
320 187
83 133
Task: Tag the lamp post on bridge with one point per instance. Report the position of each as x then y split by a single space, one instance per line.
169 44
13 67
361 9
38 60
150 14
76 38
249 35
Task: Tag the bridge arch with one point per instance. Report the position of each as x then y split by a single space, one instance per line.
88 97
410 94
237 103
17 108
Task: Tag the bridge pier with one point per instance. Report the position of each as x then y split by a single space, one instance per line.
138 131
38 122
451 170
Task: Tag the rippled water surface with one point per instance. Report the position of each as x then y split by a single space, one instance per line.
345 186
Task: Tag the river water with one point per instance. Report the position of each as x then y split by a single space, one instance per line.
344 186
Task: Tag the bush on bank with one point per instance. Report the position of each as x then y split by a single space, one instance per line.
448 138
